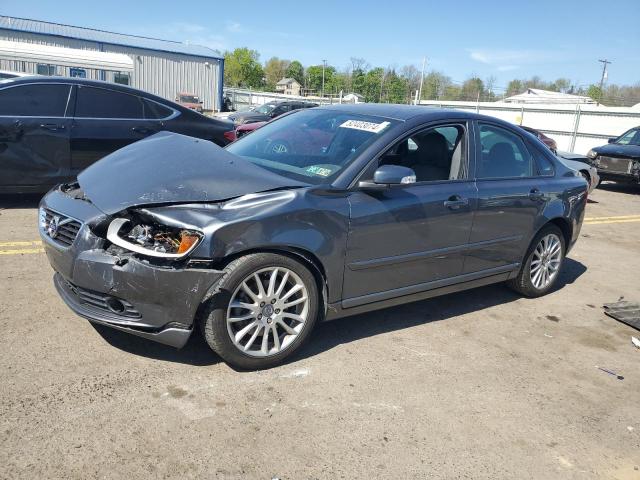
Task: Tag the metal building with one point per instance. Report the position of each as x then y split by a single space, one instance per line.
162 67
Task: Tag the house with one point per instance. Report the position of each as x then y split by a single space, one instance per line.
162 67
288 86
535 95
353 98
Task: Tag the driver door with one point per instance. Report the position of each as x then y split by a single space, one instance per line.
409 238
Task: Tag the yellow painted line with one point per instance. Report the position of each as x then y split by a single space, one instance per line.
603 222
619 217
20 244
21 251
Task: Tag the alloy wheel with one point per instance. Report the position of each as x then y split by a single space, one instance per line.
267 311
545 261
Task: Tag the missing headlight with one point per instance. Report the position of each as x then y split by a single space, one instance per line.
152 239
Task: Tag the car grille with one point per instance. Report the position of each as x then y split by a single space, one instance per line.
65 230
104 302
613 164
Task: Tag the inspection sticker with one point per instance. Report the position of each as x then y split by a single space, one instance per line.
323 172
366 126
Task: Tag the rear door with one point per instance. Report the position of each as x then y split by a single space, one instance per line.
34 135
511 196
106 120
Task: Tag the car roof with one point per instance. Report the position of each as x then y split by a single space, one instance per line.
407 112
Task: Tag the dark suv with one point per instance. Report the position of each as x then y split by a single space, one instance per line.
270 110
620 159
51 128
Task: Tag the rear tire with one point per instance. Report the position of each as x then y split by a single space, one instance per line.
542 263
242 312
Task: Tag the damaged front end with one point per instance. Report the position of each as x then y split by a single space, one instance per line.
129 271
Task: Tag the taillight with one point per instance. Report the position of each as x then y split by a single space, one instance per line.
230 135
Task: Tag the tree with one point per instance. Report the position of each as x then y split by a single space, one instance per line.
435 85
275 70
314 77
242 68
595 92
514 88
295 70
472 89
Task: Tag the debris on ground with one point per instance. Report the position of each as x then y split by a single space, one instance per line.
635 342
625 312
619 377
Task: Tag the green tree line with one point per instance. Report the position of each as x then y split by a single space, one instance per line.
399 85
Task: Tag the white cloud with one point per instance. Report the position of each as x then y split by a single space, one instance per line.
234 27
505 60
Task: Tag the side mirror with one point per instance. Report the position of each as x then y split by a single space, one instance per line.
612 140
387 175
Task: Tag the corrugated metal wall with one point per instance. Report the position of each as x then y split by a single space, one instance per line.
161 73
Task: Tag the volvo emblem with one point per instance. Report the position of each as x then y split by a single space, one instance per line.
52 227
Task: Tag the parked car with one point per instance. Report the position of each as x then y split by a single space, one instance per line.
244 128
190 101
6 74
51 128
548 141
256 245
268 111
620 159
581 164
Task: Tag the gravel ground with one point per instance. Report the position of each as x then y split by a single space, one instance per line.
480 384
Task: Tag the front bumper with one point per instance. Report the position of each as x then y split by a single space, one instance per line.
161 302
619 177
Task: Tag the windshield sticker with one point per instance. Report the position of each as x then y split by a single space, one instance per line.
323 172
365 126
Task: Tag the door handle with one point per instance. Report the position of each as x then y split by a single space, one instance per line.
143 130
535 194
51 126
454 202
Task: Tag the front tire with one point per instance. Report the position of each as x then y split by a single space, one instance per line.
263 310
542 263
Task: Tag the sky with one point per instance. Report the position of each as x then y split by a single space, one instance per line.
503 39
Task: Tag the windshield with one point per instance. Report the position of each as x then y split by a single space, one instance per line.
189 99
632 137
311 146
265 109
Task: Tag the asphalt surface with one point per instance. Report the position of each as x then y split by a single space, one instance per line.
480 384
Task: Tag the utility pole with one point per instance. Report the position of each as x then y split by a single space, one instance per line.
324 65
424 62
381 85
604 62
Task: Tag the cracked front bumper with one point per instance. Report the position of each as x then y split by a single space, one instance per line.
155 302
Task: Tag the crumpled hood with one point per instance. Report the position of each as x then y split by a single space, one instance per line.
615 150
172 168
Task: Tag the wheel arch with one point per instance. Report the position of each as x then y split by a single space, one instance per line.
307 258
565 227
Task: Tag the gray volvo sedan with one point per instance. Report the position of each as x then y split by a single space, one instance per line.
321 214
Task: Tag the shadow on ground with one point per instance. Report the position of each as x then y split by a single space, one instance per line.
331 334
630 188
22 200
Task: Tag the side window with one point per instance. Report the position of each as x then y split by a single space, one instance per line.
102 103
36 100
155 111
504 154
434 154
